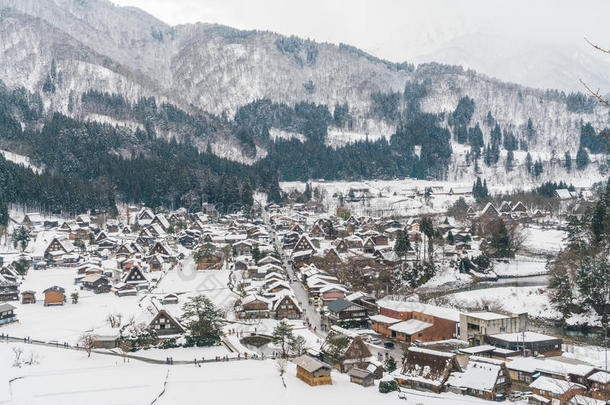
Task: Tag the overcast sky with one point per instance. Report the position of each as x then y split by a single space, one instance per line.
392 29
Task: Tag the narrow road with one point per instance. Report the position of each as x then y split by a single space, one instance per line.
300 292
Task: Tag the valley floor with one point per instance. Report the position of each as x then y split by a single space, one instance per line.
66 376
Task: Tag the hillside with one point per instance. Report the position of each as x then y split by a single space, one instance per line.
63 49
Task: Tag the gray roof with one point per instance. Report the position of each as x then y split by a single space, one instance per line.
339 305
6 307
309 364
359 373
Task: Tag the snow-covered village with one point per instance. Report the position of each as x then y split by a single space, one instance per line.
152 305
333 201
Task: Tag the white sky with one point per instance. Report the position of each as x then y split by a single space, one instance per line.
396 30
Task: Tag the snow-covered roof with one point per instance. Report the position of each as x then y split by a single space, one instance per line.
582 400
532 364
602 377
310 364
413 306
554 385
478 349
410 327
384 319
477 375
430 351
487 316
253 297
528 337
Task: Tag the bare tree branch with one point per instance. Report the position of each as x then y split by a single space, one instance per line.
599 48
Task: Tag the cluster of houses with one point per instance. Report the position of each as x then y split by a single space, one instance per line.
483 354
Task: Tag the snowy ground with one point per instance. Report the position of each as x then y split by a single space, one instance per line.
385 197
65 376
544 241
188 281
532 300
591 354
20 160
65 323
520 267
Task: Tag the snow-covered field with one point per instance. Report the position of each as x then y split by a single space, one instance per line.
65 323
520 267
544 241
65 376
532 300
20 160
386 197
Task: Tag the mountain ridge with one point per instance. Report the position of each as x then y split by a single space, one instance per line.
218 69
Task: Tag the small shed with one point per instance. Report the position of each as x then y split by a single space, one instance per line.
28 297
361 377
54 296
170 299
313 371
7 314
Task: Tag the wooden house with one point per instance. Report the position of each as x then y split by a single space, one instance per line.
28 297
7 314
554 390
243 248
155 262
490 212
170 299
304 244
9 291
160 248
57 249
210 261
368 246
361 377
54 296
96 282
135 277
341 311
600 385
269 260
356 354
427 370
418 321
286 306
254 307
483 378
32 220
157 318
312 371
340 245
160 220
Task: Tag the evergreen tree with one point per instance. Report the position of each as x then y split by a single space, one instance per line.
308 191
510 159
528 162
530 132
4 218
582 158
450 238
390 364
538 168
282 336
568 161
402 245
21 237
203 321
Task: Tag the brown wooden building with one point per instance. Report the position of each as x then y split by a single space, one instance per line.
54 296
313 371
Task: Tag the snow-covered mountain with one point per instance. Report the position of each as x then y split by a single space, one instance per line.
94 44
